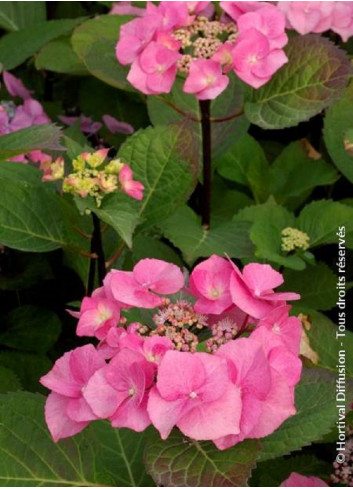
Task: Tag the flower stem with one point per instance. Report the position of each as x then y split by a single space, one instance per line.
205 106
99 262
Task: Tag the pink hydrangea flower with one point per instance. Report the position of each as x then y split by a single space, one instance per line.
297 480
155 70
126 8
269 21
267 399
252 291
97 316
134 37
307 17
287 328
66 411
131 187
192 389
342 19
172 15
29 114
200 8
205 79
15 86
237 9
149 277
87 124
119 391
254 61
209 283
117 127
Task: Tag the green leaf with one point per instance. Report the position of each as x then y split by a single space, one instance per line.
314 77
338 122
17 15
28 367
100 456
293 175
184 230
8 381
27 269
58 56
94 42
33 217
164 160
178 106
18 46
321 220
45 136
315 400
245 163
148 247
181 462
325 342
225 203
30 328
267 221
316 285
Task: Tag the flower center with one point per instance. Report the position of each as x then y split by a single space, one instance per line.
192 395
132 391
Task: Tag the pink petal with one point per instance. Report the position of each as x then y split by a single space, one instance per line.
79 410
84 362
59 424
164 414
15 87
215 419
158 275
101 397
117 127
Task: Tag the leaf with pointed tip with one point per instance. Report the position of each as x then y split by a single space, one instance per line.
100 456
185 231
45 136
314 77
16 15
182 462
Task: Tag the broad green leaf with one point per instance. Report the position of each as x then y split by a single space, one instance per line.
120 212
58 56
100 456
225 202
164 159
17 15
184 230
315 400
321 220
294 174
178 106
45 136
316 285
33 217
181 462
245 163
94 42
325 342
18 46
314 77
338 123
8 381
30 328
274 473
149 247
267 221
28 367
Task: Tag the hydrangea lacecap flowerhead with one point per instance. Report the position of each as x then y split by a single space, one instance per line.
141 374
190 39
193 40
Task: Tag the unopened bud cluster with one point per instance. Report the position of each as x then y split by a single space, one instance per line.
294 239
179 322
222 332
